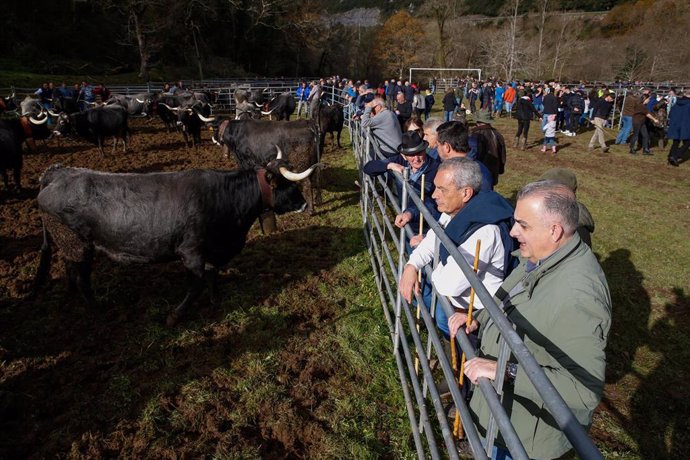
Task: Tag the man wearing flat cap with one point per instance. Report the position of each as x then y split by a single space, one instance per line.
412 154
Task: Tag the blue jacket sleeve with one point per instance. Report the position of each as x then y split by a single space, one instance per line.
378 167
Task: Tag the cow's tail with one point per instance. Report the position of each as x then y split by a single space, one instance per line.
318 136
46 252
44 263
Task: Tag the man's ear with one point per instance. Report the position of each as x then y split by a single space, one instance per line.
467 194
557 232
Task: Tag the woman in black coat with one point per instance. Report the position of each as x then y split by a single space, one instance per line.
524 112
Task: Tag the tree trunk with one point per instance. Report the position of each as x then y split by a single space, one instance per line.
513 32
541 35
558 50
441 23
144 55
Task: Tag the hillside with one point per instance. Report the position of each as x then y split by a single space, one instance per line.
103 39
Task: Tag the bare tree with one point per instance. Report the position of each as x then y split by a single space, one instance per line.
145 25
542 23
441 11
513 38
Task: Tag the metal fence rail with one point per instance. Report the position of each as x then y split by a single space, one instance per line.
386 247
223 89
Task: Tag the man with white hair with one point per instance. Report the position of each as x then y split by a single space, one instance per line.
559 303
384 126
467 216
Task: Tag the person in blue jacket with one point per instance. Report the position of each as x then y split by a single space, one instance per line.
302 94
412 154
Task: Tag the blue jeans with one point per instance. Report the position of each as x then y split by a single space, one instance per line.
626 127
447 116
440 316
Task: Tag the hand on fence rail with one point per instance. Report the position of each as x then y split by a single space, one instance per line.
457 320
409 283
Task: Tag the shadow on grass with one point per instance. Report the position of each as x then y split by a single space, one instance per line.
631 309
100 382
661 404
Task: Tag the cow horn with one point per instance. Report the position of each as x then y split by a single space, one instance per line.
38 122
174 109
279 155
204 119
258 105
267 113
53 114
295 177
139 100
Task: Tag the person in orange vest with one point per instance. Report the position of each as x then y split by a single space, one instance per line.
509 99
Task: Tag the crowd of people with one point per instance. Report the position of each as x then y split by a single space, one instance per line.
645 117
84 94
535 259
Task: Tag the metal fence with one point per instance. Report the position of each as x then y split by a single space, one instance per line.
224 90
430 427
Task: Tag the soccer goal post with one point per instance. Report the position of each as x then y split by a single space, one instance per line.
437 73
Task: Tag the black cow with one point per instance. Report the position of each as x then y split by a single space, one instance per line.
331 120
9 104
29 128
68 105
163 106
138 105
95 124
11 155
191 118
248 103
251 140
280 107
200 216
30 106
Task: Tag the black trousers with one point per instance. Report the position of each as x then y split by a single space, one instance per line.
640 130
523 128
678 151
575 120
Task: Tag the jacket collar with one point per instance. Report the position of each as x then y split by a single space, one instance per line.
527 281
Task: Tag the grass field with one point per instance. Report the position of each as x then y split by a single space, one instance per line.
296 360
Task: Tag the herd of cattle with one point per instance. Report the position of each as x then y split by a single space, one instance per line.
201 217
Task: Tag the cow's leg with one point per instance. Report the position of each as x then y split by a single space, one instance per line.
268 223
339 146
211 275
127 140
84 271
114 144
196 286
17 174
100 145
71 268
5 180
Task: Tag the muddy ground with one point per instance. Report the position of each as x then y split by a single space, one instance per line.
81 383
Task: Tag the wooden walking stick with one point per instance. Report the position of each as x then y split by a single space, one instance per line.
419 276
458 432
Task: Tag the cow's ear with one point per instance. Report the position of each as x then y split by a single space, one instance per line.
270 178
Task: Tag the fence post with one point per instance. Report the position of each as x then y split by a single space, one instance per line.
401 260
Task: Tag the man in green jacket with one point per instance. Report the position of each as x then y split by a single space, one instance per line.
560 304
